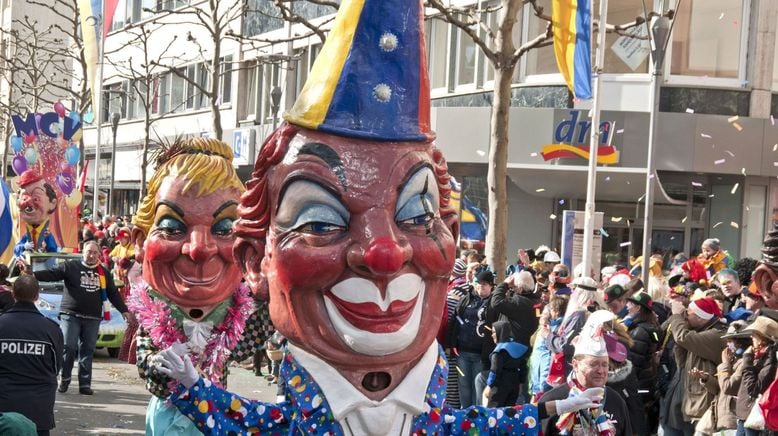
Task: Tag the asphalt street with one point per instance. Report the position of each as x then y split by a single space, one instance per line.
118 406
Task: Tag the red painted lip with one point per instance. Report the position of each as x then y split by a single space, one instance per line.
370 317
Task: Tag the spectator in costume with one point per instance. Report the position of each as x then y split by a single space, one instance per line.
713 258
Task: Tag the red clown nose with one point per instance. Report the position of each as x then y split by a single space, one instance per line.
384 256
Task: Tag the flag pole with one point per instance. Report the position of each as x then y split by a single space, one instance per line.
97 104
594 142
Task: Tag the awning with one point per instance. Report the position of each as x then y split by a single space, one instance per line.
568 181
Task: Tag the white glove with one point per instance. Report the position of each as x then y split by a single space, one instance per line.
588 399
29 246
176 367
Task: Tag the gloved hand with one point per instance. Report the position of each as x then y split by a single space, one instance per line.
168 362
587 399
29 246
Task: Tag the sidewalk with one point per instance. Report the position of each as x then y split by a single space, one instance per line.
118 406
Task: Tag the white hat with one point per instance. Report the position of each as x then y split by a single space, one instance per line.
590 343
586 283
552 257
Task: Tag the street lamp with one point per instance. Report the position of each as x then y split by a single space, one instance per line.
275 103
115 116
660 31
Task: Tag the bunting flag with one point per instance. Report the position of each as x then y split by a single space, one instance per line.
6 224
92 14
573 44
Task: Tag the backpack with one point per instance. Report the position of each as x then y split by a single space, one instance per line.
769 405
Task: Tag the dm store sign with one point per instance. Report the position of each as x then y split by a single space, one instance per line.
571 140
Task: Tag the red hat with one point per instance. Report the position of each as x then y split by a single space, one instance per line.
28 178
122 233
706 308
556 372
99 234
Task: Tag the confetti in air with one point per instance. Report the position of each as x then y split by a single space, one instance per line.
540 190
721 17
689 110
616 219
603 232
737 126
772 120
705 135
734 188
775 147
562 201
607 178
625 244
552 216
533 154
619 131
732 119
729 153
481 152
743 171
734 224
719 162
717 224
697 184
684 219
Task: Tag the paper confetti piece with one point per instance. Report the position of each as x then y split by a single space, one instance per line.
705 135
775 164
552 216
689 110
717 224
743 171
729 153
772 120
607 178
721 16
625 244
616 219
732 119
533 155
733 224
650 176
734 188
619 131
775 147
460 371
540 190
697 184
737 126
719 162
684 219
604 233
711 195
562 201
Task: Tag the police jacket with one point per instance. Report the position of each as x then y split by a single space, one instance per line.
31 350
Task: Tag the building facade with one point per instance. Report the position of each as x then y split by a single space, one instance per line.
716 152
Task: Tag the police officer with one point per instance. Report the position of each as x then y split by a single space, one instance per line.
31 350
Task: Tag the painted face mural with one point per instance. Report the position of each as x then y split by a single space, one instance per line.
37 200
357 256
188 249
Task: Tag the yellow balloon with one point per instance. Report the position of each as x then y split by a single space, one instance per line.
73 200
77 136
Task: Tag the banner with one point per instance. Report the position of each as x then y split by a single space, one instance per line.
571 21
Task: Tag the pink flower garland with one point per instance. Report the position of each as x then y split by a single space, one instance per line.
155 317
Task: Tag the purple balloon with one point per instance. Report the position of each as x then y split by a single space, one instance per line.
19 165
66 182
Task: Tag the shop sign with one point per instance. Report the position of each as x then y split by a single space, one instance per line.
571 140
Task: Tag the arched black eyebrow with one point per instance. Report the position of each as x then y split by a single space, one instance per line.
329 156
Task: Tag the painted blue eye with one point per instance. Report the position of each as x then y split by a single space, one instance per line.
418 210
319 219
171 226
223 227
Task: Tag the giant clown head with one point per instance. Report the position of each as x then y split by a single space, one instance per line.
346 224
37 199
766 273
184 226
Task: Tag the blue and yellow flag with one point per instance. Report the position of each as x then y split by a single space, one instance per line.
6 224
573 44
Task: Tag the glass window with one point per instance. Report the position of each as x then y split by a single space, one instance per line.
203 80
775 65
271 80
260 16
437 49
164 93
707 38
119 16
251 89
177 91
539 60
225 80
625 54
155 97
190 85
466 55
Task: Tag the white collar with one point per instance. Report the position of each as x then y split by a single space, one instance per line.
344 398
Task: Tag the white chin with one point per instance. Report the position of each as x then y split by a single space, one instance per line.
376 344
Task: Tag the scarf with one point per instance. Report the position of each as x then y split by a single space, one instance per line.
591 421
155 316
103 292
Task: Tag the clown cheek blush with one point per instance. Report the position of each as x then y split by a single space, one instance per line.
161 250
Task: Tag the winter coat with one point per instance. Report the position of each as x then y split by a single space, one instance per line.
540 361
729 377
696 349
562 340
645 337
757 374
471 333
624 381
518 310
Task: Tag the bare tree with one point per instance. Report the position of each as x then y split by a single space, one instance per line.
498 47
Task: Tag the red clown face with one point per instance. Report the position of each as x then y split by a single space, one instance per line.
35 204
357 256
188 251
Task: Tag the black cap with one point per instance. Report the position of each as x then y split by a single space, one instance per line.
485 277
614 292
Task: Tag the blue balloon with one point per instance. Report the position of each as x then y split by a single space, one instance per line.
74 116
16 143
71 155
89 117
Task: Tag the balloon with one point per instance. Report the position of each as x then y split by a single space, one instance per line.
64 167
16 144
59 108
31 155
73 115
72 154
66 182
89 117
28 138
76 136
73 200
19 165
38 120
